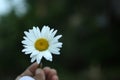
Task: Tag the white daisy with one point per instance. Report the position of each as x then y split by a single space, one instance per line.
41 43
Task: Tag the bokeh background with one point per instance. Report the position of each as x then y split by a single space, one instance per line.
90 29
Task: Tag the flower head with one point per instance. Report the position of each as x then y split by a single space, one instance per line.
41 44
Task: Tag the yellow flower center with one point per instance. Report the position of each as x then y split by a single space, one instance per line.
41 44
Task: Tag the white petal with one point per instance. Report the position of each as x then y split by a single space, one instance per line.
29 48
24 50
55 51
51 31
33 59
53 34
39 57
31 38
27 52
58 37
56 45
35 53
50 35
45 31
33 35
38 32
27 41
35 32
47 55
55 39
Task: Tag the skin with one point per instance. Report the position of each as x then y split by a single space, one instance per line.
46 73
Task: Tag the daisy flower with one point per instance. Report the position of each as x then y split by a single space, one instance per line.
41 43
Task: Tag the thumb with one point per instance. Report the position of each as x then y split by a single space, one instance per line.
39 74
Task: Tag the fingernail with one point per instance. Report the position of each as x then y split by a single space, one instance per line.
38 71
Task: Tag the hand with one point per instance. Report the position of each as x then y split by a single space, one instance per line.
39 74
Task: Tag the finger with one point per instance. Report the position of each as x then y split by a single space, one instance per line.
25 73
50 73
33 67
55 77
39 74
29 71
46 70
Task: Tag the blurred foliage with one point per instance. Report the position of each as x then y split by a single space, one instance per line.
90 39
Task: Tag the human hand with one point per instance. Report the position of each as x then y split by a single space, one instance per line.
39 74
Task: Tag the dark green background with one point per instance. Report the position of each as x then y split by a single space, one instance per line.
90 29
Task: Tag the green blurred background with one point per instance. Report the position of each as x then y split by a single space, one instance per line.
90 29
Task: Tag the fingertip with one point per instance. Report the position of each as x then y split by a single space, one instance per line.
53 71
51 74
27 72
46 70
35 64
38 71
55 77
39 74
33 67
